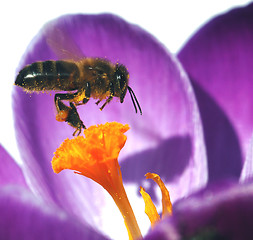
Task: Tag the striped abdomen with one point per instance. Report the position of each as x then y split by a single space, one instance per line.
49 75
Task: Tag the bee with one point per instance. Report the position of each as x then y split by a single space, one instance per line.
96 78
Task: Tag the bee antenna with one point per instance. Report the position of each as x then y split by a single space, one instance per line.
134 99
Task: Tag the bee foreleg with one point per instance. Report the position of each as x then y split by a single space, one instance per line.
112 88
97 102
109 98
106 102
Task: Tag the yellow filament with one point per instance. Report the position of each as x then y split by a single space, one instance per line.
150 208
166 203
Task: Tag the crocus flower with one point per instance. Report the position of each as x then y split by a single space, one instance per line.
162 133
168 139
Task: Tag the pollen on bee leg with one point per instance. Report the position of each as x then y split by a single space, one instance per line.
62 115
96 156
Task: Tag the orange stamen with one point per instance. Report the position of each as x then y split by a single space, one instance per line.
150 208
166 203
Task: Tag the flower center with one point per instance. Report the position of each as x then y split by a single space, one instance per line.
96 156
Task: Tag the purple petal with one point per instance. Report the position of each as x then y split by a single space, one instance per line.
25 217
218 59
247 170
224 211
167 139
10 172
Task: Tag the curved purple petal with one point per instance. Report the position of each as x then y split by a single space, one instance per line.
25 217
218 59
224 211
247 170
167 139
10 172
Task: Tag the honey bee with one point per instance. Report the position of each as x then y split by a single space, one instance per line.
96 78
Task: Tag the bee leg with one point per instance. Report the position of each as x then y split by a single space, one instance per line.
110 98
87 93
87 90
62 111
106 102
59 97
112 89
68 114
65 96
74 120
61 108
97 102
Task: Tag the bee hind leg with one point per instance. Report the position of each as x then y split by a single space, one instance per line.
61 108
74 120
68 114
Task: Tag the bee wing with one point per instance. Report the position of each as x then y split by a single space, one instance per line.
62 44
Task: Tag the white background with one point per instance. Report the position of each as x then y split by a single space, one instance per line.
172 22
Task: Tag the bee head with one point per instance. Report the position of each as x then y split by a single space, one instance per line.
121 79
